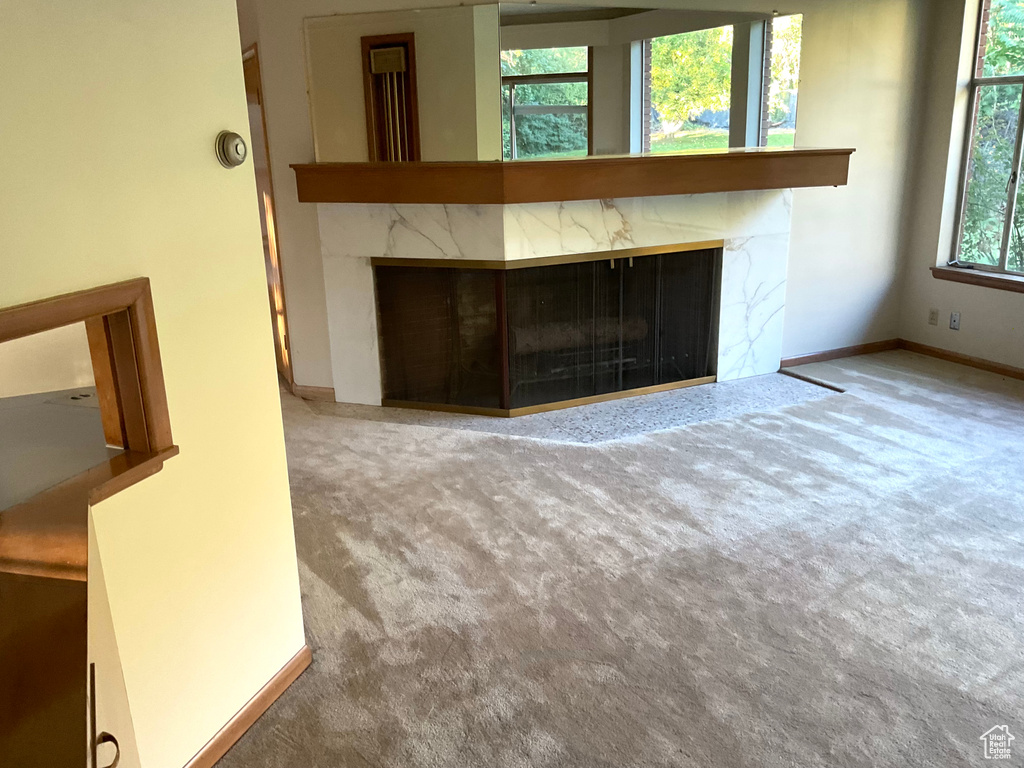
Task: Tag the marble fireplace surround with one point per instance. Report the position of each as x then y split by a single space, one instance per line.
754 226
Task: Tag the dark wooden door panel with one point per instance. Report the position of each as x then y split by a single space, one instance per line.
43 671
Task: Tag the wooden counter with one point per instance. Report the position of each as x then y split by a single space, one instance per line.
592 178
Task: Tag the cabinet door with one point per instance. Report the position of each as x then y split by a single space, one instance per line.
42 671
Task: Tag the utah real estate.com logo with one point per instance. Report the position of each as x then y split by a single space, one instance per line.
997 742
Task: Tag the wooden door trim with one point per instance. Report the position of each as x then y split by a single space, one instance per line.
253 52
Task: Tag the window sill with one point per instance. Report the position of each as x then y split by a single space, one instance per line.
980 277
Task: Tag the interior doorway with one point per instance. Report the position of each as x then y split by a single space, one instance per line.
268 220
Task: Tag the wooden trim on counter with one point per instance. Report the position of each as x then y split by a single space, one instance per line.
546 407
591 178
997 280
48 536
547 261
233 730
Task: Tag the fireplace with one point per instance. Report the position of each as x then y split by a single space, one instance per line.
508 338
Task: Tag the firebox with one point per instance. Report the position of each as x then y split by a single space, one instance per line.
517 337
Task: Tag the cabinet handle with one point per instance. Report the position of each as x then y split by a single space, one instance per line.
103 737
106 738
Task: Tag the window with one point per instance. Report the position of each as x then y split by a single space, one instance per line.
783 82
687 84
991 235
545 98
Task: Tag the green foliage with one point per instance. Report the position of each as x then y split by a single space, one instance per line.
711 139
691 73
545 135
544 61
787 32
992 148
995 132
1004 51
551 135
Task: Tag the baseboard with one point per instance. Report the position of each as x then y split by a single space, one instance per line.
836 354
313 393
910 346
226 737
955 357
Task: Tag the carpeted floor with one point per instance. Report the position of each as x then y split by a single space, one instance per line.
834 583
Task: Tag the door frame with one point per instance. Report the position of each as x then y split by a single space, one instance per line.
252 52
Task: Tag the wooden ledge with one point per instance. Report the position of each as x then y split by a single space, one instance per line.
48 535
980 277
592 178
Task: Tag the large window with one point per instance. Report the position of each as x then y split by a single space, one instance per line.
545 96
688 80
991 210
779 128
688 86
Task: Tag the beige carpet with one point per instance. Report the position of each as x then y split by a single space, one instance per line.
836 583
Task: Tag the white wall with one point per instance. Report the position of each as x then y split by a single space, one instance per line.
857 90
45 362
110 109
991 321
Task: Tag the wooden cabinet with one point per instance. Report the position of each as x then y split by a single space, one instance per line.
43 674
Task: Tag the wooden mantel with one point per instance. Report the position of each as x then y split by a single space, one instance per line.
594 178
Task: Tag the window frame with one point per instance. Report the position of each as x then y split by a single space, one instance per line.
552 78
979 81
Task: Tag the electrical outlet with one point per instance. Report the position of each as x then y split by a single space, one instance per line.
933 317
954 321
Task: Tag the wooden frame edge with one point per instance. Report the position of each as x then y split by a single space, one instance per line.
979 277
253 709
471 410
608 397
253 51
493 182
547 261
68 308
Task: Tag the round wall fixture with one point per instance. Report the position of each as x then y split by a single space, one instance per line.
231 149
